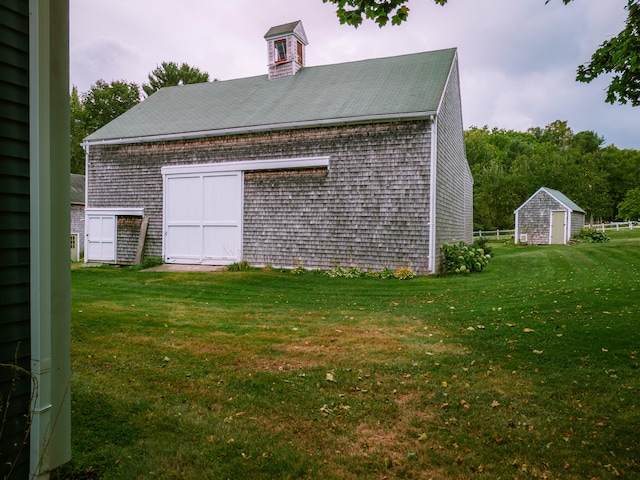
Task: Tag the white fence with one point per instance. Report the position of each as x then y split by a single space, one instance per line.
617 226
494 234
601 227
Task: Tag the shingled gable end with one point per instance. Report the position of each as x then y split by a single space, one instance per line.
357 164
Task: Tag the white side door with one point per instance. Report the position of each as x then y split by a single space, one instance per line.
558 227
101 238
203 218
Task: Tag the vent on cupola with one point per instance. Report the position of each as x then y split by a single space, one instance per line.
285 49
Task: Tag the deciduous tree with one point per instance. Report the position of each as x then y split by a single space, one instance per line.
629 208
619 56
106 101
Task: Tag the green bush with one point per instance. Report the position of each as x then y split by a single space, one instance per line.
150 262
482 243
404 274
463 258
339 272
591 235
384 274
242 266
299 270
387 273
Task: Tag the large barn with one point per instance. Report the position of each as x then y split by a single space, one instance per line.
353 164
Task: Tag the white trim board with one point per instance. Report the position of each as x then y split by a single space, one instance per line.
137 212
249 165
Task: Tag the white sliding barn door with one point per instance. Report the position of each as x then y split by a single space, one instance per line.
203 218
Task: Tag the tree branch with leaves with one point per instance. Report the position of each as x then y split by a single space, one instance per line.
620 55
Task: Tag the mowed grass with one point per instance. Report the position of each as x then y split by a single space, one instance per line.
526 370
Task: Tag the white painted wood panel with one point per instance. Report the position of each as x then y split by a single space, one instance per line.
203 218
101 238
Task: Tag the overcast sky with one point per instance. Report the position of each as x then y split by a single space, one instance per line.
517 58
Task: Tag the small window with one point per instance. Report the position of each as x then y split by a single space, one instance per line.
281 50
300 54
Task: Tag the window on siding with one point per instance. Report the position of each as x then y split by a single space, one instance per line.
300 54
281 50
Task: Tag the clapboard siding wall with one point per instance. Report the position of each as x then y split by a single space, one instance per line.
15 345
370 208
454 184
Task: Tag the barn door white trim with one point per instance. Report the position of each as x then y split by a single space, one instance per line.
202 217
249 165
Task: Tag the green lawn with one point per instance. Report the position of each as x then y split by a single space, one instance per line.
526 370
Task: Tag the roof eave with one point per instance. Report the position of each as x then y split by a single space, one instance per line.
264 128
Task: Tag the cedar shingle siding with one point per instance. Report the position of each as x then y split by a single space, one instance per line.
454 184
15 344
370 208
128 231
77 224
77 208
577 223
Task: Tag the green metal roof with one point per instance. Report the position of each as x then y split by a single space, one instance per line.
385 88
558 196
562 198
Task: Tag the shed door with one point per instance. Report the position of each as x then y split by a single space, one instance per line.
203 218
558 227
101 238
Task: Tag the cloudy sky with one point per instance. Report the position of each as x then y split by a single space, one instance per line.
517 58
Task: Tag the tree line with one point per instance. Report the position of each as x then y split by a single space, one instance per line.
509 166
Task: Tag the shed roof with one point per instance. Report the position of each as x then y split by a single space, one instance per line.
407 86
559 196
77 189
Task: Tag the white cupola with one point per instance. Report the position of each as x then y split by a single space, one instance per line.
286 49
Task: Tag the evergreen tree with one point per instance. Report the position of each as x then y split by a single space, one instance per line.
169 74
